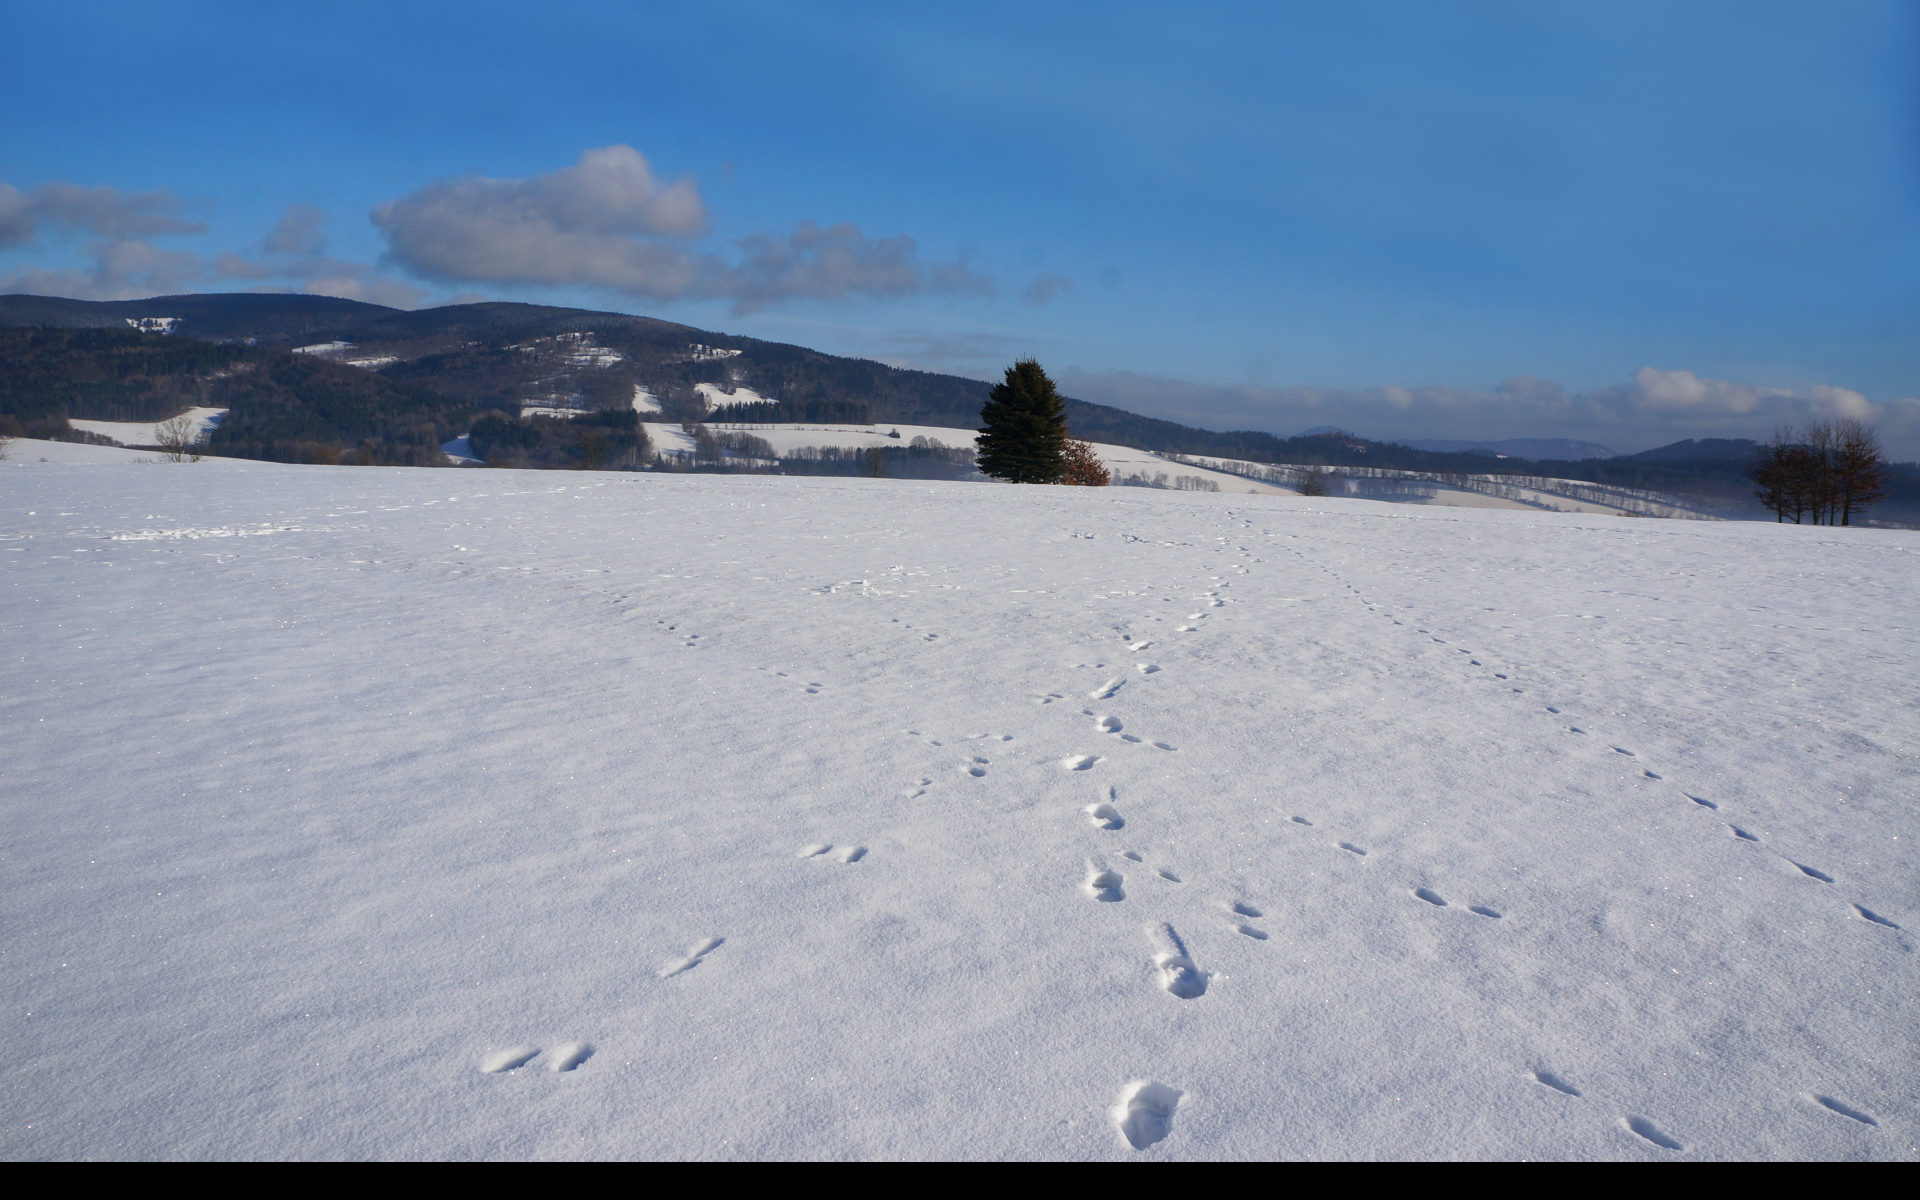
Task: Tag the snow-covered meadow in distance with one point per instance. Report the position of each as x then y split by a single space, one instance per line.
358 813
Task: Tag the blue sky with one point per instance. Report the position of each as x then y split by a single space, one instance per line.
1629 223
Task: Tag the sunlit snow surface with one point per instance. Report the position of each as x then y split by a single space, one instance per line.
383 813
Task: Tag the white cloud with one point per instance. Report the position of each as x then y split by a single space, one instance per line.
121 270
606 222
102 212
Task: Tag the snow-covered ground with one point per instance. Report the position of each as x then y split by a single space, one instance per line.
144 433
1122 461
428 814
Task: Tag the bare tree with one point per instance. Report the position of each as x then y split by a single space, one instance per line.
1823 473
180 439
1773 472
1313 482
1859 476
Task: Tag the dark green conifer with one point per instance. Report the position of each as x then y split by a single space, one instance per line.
1024 434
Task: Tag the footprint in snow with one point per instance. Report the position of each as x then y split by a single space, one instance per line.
1743 835
566 1057
814 850
1625 751
1430 896
1103 883
1873 916
977 768
1301 821
1703 803
695 953
1822 876
1241 908
1647 1131
1350 848
1107 724
1137 647
1147 668
1079 762
1107 689
1556 1083
1144 1112
510 1059
1104 816
1176 973
1845 1110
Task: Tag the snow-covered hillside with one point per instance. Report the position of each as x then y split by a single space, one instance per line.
361 813
145 433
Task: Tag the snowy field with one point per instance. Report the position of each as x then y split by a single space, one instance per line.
376 813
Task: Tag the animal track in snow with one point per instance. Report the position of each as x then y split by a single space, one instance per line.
1702 802
1822 876
695 953
813 689
1107 689
1743 835
1103 883
1484 911
1164 746
1137 647
1241 908
1845 1110
1147 668
509 1060
814 850
1049 698
1556 1083
1430 896
1350 848
1650 775
569 1057
1144 1112
1167 875
1079 762
1258 935
1104 816
1643 1128
977 767
1575 729
1873 916
1552 709
1134 855
1107 724
852 854
1625 751
1301 821
1178 976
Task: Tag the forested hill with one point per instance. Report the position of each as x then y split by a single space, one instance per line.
389 382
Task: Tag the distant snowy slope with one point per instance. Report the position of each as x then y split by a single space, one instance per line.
143 433
407 814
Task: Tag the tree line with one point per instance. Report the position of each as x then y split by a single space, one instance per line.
1824 473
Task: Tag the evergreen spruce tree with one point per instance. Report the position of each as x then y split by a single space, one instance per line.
1024 439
